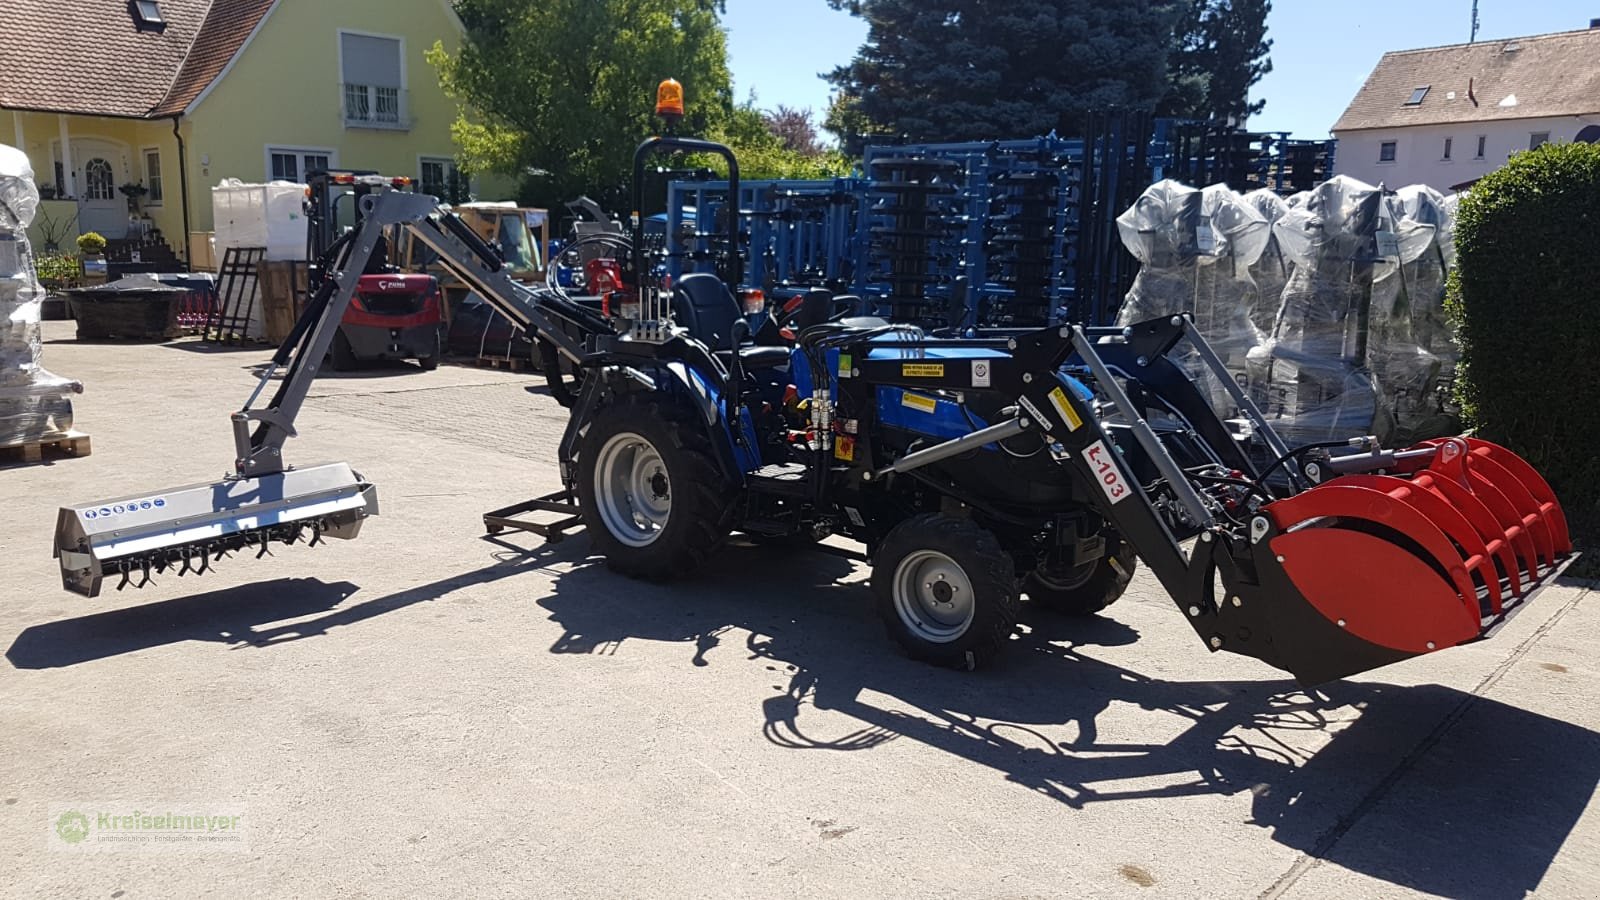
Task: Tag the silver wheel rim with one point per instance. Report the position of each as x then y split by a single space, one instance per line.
631 490
933 596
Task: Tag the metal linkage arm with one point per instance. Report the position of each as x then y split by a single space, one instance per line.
259 434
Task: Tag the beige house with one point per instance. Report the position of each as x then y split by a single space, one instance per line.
169 97
1447 116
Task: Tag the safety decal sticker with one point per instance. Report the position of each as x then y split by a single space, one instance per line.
918 402
1058 399
1034 411
844 448
922 370
981 373
846 364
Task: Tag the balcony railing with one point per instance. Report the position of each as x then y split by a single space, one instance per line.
370 106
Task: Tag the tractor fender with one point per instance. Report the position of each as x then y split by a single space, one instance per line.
706 398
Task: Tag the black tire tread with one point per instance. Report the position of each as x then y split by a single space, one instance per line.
986 563
698 528
1103 588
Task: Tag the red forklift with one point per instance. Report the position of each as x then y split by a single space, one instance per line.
394 315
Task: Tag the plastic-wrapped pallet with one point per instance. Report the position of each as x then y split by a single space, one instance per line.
1270 272
1419 355
1195 249
34 404
1318 385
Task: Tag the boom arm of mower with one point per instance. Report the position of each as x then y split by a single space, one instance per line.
189 528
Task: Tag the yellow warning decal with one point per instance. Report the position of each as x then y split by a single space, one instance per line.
922 370
844 448
919 402
1058 399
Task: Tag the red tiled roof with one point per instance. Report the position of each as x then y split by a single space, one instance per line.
1547 75
89 58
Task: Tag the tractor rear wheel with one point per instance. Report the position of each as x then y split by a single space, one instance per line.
654 502
1089 588
946 590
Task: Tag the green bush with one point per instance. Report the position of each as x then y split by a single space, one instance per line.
56 270
1526 296
91 243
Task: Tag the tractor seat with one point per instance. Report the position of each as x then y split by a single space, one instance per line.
701 304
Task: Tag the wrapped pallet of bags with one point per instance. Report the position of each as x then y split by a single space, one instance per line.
1270 272
1195 249
34 404
1314 365
1429 409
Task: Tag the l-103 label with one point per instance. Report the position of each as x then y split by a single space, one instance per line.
1106 473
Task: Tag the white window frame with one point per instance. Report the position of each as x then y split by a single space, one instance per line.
332 153
448 160
404 123
144 169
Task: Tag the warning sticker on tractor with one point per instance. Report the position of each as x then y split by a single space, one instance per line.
918 402
845 365
980 373
844 448
1058 399
1104 467
922 370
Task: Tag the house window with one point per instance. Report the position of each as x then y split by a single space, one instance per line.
440 178
1483 145
1538 139
1417 94
98 181
290 164
1449 144
147 15
373 91
1386 151
152 177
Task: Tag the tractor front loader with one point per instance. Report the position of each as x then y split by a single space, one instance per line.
974 468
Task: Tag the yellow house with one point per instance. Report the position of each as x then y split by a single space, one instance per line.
175 95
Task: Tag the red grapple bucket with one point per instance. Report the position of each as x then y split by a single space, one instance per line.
1409 562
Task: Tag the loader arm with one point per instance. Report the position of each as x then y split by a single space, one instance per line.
1335 566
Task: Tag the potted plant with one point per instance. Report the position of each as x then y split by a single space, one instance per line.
93 247
133 191
47 191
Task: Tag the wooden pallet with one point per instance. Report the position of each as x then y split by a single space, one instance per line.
503 363
73 443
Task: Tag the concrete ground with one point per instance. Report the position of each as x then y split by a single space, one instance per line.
426 712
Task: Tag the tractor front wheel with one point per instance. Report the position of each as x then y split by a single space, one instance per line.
946 590
654 502
1089 588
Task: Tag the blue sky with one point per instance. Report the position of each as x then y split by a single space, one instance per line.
1323 49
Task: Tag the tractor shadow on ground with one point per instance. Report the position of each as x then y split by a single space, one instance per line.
1426 787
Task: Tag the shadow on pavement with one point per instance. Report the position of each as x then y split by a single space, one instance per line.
1499 788
1426 787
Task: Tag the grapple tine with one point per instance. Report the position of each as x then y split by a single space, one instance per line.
1549 508
1477 557
1451 464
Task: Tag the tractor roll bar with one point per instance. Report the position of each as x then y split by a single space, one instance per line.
732 271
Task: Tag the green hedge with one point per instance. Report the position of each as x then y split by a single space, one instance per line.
1526 297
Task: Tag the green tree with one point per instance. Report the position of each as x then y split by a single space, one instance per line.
559 92
1220 50
975 69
